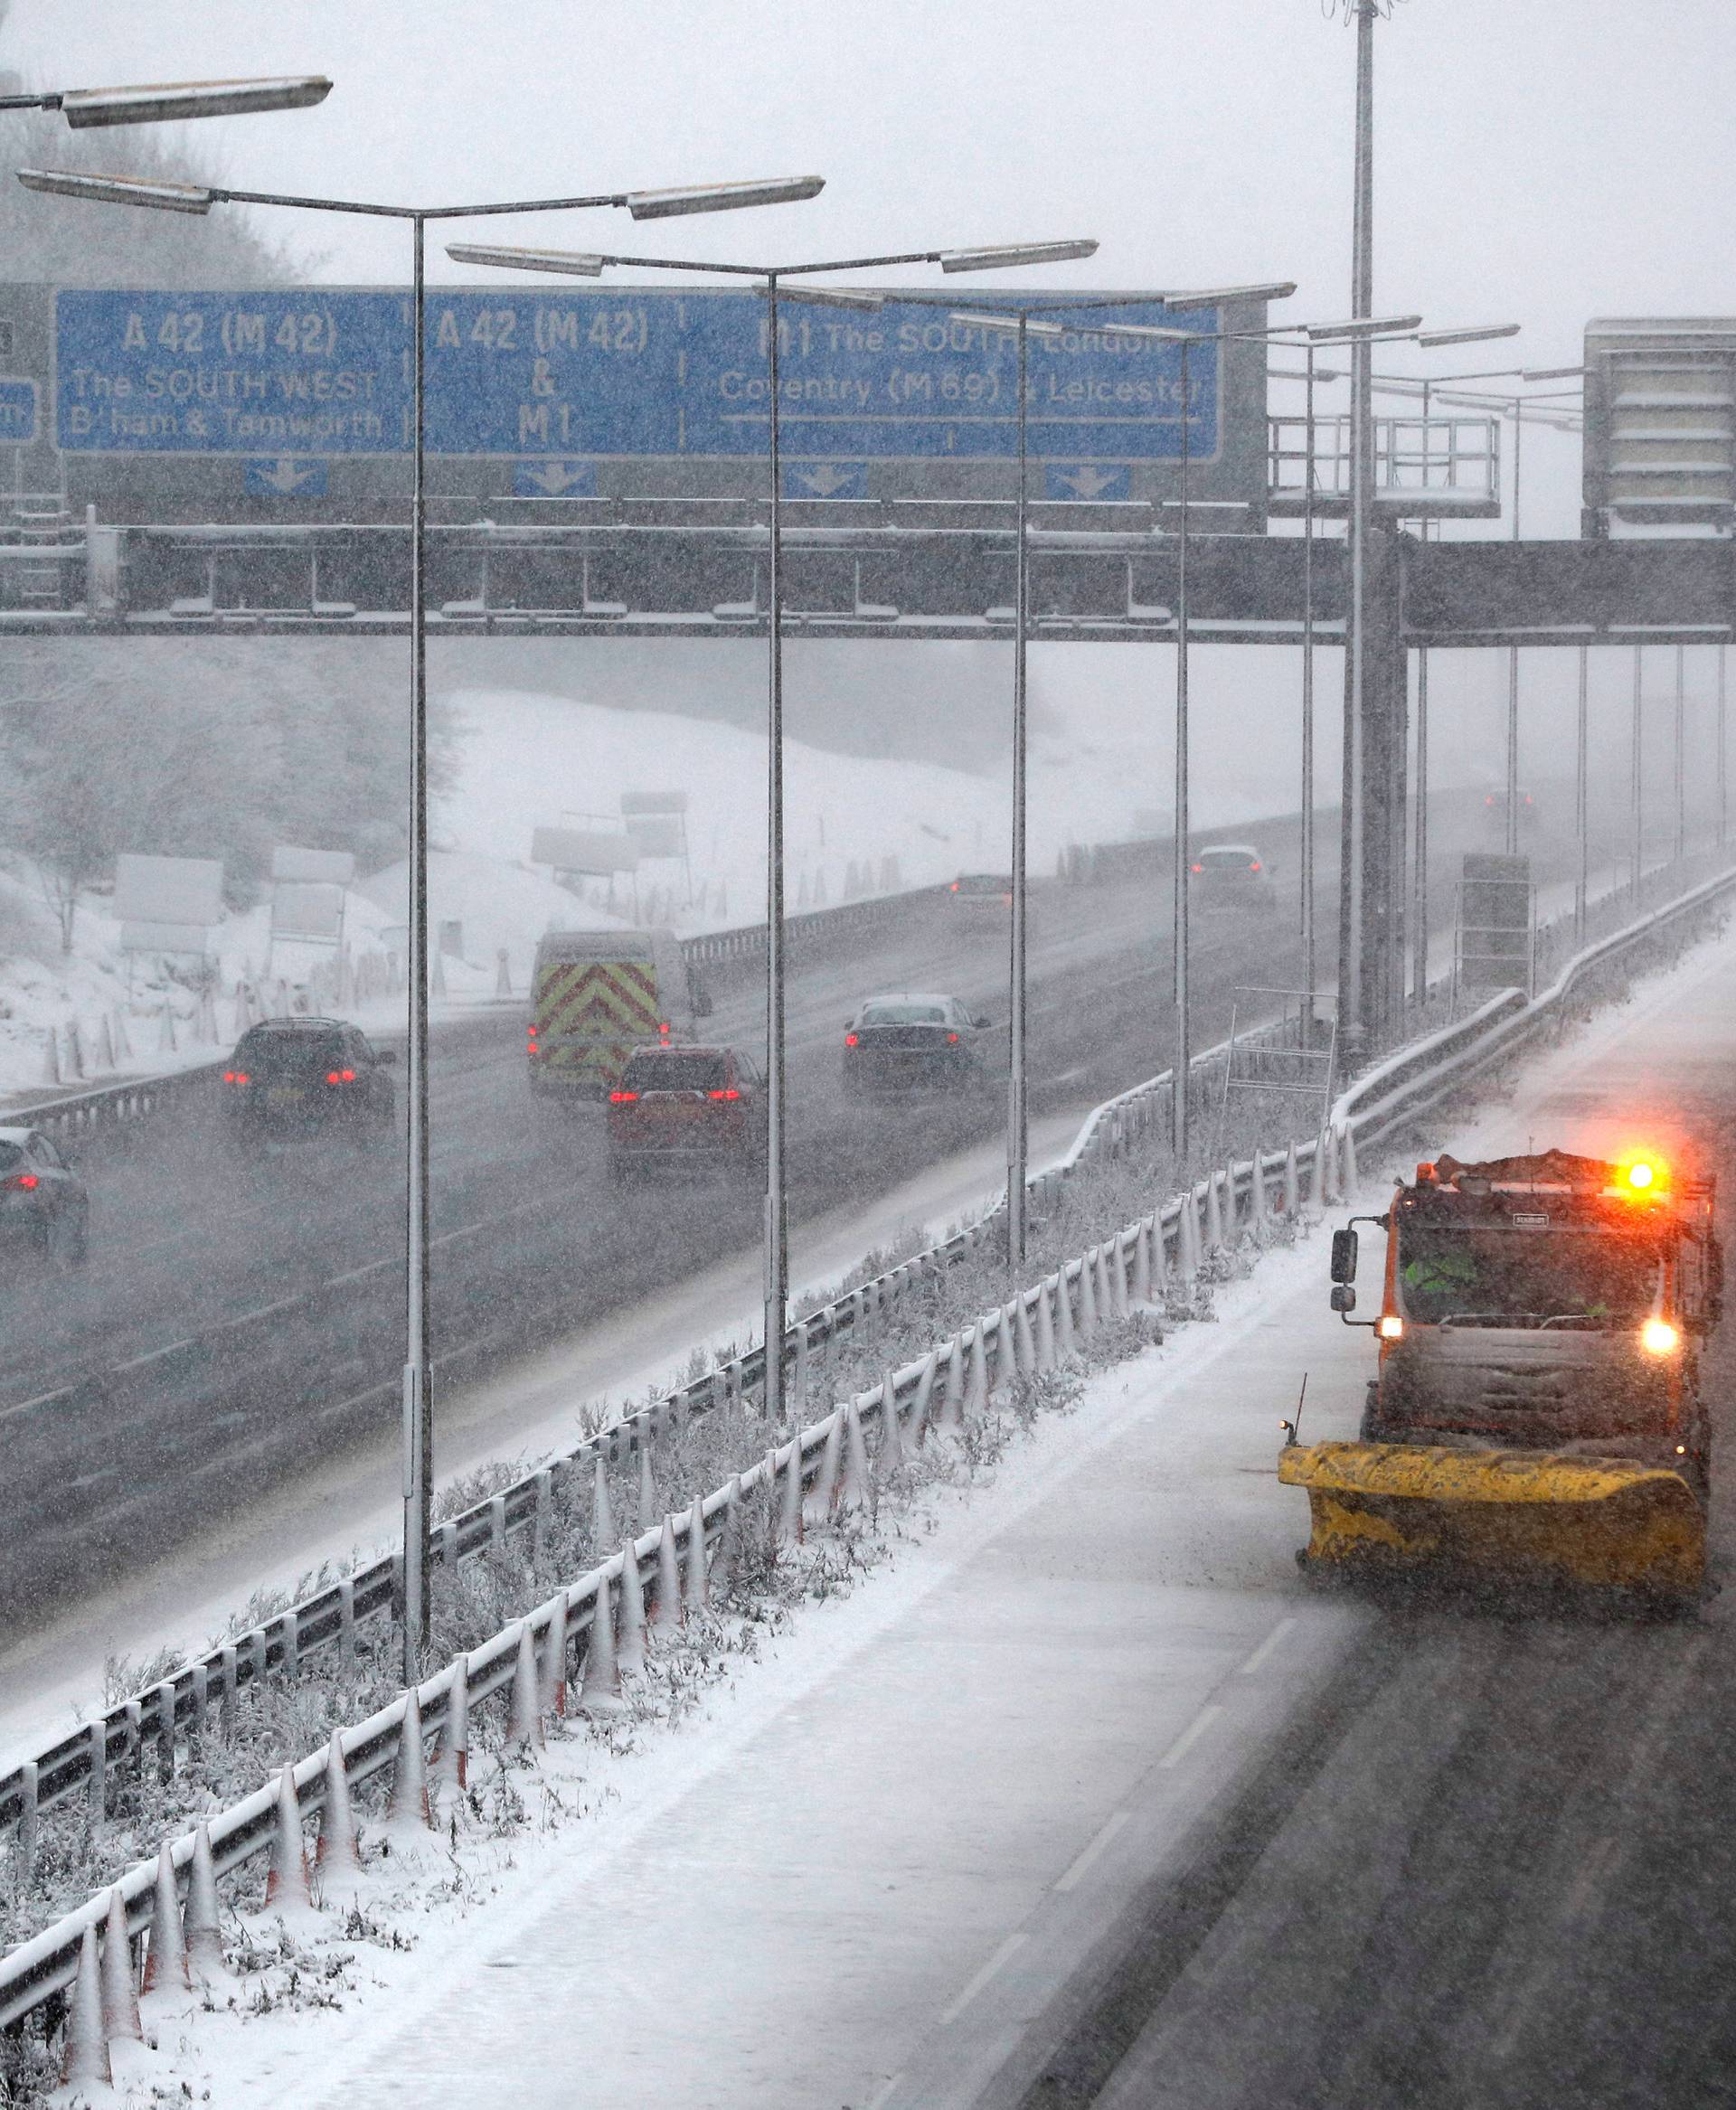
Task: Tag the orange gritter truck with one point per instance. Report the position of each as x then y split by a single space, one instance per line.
1537 1412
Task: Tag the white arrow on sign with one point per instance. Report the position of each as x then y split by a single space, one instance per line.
288 476
556 477
827 479
1087 482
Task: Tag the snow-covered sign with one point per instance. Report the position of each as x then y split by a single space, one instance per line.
333 868
309 911
169 889
586 850
659 834
164 938
652 802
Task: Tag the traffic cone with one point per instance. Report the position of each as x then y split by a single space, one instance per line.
1066 1346
892 1457
648 1493
1045 1343
1214 1216
524 1726
855 1489
452 1763
119 1997
728 1547
286 1882
201 1924
599 1690
976 1382
918 1428
165 1960
1087 1299
337 1860
787 1511
554 1657
410 1805
698 1576
86 2056
666 1612
817 1505
602 1516
629 1650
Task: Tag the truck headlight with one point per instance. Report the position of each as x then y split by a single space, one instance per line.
1658 1337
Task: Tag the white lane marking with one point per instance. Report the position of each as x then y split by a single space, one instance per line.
1008 1949
42 1399
883 2094
284 1303
1081 1867
1190 1736
156 1355
357 1273
1266 1647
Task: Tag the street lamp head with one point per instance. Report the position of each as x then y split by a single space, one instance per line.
1553 372
1216 296
115 190
1012 253
722 197
1388 325
861 299
1008 324
165 101
567 263
1433 340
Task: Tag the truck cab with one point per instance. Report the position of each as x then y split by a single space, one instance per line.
1546 1302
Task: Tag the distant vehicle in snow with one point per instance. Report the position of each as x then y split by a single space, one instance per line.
687 1109
43 1206
596 996
1232 875
295 1076
982 889
914 1042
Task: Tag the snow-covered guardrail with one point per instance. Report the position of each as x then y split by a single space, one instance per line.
824 1463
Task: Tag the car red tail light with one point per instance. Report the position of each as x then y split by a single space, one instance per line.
622 1098
1199 868
952 1039
236 1077
1255 865
229 1077
851 1040
730 1094
953 889
25 1180
339 1076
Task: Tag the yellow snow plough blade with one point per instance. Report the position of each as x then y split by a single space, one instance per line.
1517 1516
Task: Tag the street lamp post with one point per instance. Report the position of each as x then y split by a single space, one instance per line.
772 279
417 1391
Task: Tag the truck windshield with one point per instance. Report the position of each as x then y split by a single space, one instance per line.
1498 1277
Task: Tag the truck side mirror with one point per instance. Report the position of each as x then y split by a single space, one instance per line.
1344 1297
1344 1260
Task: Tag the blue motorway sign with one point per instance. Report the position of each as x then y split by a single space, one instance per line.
17 413
286 476
569 378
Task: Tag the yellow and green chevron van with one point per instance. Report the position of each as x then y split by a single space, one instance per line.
597 994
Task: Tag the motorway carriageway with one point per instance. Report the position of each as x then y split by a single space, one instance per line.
1090 1800
227 1362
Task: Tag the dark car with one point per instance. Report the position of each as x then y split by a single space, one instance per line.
301 1076
982 889
1232 875
916 1043
43 1206
687 1109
